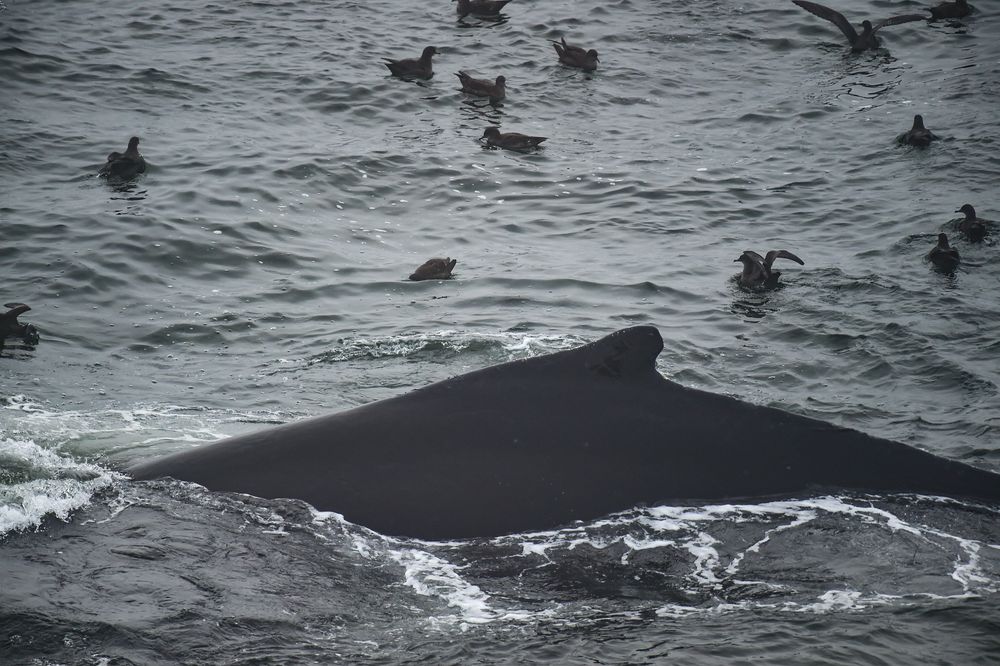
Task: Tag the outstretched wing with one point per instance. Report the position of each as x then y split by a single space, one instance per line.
896 20
16 309
832 16
753 255
780 254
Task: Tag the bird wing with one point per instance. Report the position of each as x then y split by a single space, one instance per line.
831 15
16 309
896 20
781 254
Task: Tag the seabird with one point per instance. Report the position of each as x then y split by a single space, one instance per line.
943 255
918 135
124 165
484 87
435 269
11 327
419 68
866 40
510 140
957 9
973 227
757 269
574 56
480 7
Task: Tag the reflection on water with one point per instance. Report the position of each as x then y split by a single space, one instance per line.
480 109
752 304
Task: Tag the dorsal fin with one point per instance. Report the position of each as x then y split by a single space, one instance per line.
628 352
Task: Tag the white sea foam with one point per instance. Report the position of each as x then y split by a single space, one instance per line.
44 453
429 575
515 344
55 484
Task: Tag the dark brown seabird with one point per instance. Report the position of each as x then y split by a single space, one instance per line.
10 327
413 68
943 255
957 9
867 39
918 135
480 7
574 56
435 269
510 140
757 269
496 91
972 226
124 165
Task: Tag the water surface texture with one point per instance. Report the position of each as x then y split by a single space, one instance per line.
255 274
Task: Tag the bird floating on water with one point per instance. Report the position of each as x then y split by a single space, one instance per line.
575 56
918 135
124 165
944 255
415 68
510 140
956 9
496 91
757 269
435 269
480 7
867 39
972 226
10 327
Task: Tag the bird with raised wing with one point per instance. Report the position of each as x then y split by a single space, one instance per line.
757 270
575 56
859 42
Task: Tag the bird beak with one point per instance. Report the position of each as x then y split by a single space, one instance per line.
735 260
959 210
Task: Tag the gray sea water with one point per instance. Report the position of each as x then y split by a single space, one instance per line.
255 274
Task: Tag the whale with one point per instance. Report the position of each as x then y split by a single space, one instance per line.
541 443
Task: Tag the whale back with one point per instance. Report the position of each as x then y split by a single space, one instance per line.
541 442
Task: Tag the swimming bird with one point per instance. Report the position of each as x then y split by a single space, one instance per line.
918 135
484 87
10 327
943 255
124 165
435 269
866 40
957 9
973 227
510 140
574 56
419 68
757 269
480 7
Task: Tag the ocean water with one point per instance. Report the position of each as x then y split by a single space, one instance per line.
255 275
